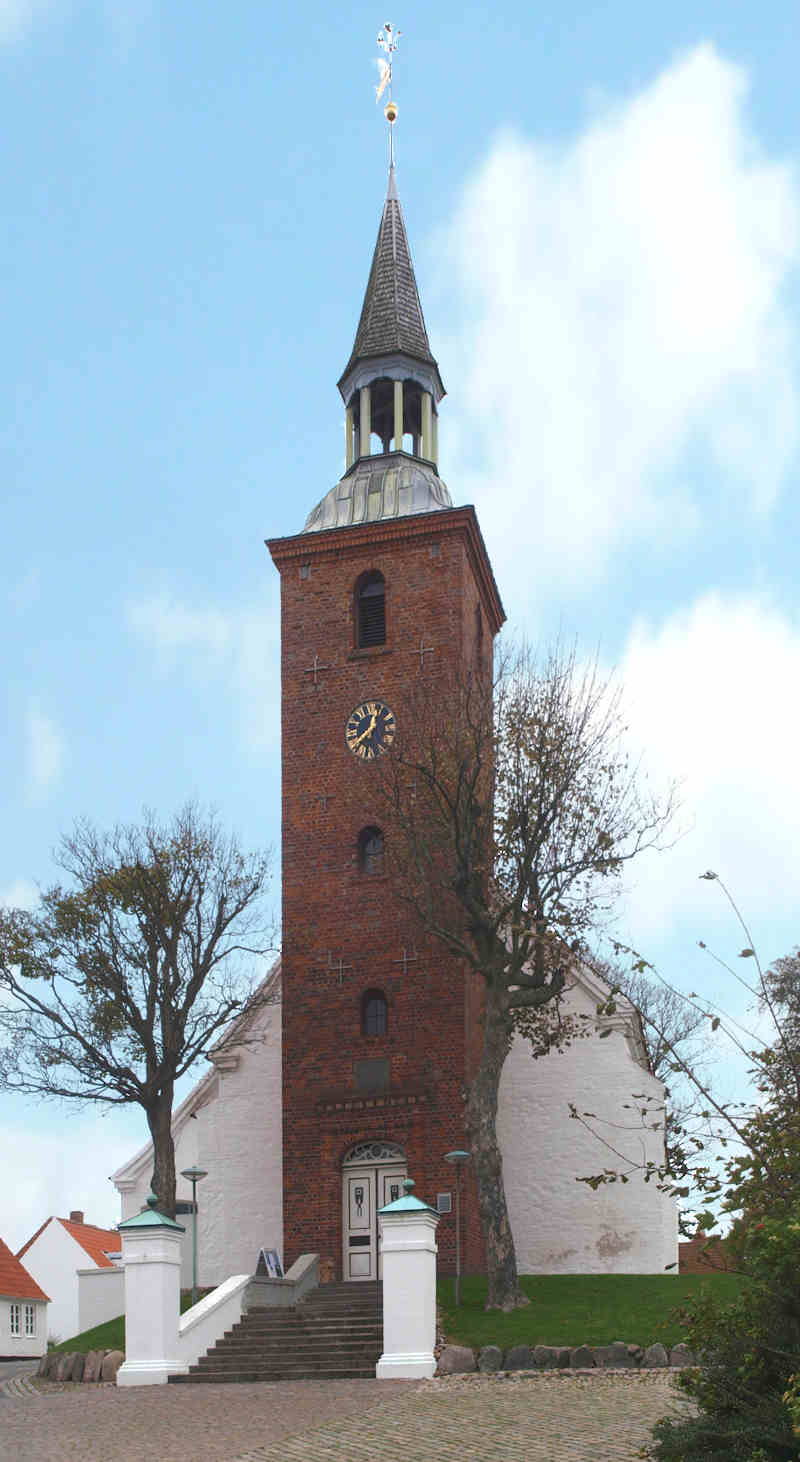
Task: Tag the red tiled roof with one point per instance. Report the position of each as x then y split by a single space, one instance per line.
94 1241
15 1281
33 1238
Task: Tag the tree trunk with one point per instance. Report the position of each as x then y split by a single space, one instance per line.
159 1120
504 1292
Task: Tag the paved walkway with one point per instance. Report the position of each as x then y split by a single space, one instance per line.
543 1417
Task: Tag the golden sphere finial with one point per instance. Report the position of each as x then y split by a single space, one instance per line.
390 112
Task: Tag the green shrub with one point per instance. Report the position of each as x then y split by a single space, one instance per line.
751 1353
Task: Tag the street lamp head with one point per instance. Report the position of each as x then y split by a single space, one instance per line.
458 1156
194 1174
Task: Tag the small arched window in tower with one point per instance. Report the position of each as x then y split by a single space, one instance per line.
374 1013
371 610
370 850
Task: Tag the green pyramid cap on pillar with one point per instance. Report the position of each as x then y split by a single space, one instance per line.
408 1204
150 1218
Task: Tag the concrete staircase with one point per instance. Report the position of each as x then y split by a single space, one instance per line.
335 1333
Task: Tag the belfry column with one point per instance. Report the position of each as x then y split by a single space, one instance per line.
349 451
365 423
427 430
398 416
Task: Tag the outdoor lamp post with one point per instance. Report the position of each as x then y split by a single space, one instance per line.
194 1175
458 1158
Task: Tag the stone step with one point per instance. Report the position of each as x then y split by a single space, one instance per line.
305 1325
233 1353
313 1360
299 1374
269 1344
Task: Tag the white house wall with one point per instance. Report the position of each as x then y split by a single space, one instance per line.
22 1347
53 1261
101 1296
560 1225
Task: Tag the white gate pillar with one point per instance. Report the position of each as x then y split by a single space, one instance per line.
151 1256
408 1248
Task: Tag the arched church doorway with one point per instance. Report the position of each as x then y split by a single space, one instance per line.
372 1176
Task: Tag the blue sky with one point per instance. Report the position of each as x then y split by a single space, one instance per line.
604 208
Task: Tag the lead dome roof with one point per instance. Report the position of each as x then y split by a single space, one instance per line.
380 488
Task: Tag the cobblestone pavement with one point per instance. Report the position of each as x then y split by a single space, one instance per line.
553 1417
543 1417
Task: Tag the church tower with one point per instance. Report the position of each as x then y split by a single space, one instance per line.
387 582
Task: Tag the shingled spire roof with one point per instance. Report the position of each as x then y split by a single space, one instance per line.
391 320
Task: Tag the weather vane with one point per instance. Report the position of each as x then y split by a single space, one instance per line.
387 40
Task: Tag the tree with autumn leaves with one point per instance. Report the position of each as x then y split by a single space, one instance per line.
145 958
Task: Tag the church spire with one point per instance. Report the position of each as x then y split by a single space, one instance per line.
391 316
391 386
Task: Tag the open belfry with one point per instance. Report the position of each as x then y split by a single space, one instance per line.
387 583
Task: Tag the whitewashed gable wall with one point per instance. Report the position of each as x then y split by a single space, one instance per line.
562 1226
237 1136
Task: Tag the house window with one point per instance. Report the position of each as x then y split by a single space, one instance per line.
370 610
370 850
30 1319
374 1013
15 1311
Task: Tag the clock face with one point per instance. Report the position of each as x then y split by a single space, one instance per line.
370 730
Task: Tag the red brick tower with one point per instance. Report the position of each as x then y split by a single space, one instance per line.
387 582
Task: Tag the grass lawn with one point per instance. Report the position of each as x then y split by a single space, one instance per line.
111 1335
568 1309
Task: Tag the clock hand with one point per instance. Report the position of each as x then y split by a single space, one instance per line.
368 732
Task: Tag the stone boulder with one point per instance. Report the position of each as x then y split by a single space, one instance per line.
41 1369
681 1355
519 1358
456 1359
76 1369
112 1361
546 1357
51 1365
655 1355
64 1365
614 1357
490 1358
581 1358
94 1361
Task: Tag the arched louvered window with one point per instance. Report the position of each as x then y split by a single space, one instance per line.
370 850
371 610
374 1013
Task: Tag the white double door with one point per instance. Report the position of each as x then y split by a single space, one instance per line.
365 1190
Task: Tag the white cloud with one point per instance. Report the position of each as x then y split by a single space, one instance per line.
59 1167
240 645
45 752
713 696
624 323
19 894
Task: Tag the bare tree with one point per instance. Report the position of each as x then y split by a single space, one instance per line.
115 985
513 809
668 1022
743 1156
